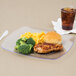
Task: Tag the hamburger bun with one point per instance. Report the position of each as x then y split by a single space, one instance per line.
53 38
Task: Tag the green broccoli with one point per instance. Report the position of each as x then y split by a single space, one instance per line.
18 41
30 46
22 43
24 38
17 46
25 49
30 41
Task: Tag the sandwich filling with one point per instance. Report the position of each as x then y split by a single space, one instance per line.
47 47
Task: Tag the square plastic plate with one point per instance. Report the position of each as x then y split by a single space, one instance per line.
10 42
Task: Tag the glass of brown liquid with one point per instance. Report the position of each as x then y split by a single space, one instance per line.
68 16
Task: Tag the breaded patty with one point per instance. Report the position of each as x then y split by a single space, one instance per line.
47 47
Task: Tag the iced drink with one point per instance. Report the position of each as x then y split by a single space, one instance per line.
68 16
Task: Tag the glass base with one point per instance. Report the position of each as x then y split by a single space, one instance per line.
67 27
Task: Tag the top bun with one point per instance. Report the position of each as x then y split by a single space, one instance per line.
53 38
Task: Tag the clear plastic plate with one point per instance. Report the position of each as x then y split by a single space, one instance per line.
10 42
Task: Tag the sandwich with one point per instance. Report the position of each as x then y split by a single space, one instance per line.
52 42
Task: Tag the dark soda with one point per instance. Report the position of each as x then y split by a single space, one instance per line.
68 16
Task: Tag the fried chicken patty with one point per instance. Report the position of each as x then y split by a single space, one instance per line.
47 47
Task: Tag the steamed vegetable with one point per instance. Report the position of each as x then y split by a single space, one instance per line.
24 38
25 49
17 46
18 41
30 41
24 45
21 39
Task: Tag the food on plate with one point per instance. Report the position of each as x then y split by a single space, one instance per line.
53 38
39 43
24 45
52 42
30 41
38 37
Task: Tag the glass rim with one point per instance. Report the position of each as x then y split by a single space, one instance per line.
73 11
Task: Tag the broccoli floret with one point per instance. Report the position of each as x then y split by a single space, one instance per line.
18 41
31 46
17 46
24 38
22 43
25 49
30 41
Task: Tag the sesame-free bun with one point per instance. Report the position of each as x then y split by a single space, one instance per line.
53 38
